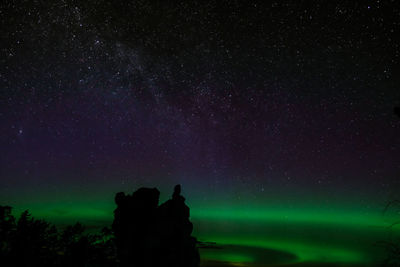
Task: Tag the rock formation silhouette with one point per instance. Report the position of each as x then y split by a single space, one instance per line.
150 235
397 111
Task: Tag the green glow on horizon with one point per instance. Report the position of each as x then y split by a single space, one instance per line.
301 232
71 212
83 210
228 257
306 233
306 252
294 216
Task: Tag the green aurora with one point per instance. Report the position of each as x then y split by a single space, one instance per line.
245 234
276 117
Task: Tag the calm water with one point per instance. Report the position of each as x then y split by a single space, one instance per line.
285 243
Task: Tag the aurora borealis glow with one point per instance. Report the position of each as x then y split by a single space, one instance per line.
276 118
255 236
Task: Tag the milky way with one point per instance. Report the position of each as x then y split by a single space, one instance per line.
276 106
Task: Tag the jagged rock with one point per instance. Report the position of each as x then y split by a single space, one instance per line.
151 235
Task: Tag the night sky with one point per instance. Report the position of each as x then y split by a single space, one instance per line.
276 112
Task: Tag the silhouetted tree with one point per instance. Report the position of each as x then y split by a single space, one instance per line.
82 249
104 252
75 245
7 229
31 242
143 234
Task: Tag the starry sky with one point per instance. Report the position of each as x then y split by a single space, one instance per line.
279 108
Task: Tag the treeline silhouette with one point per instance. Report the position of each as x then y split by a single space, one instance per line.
32 242
143 234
